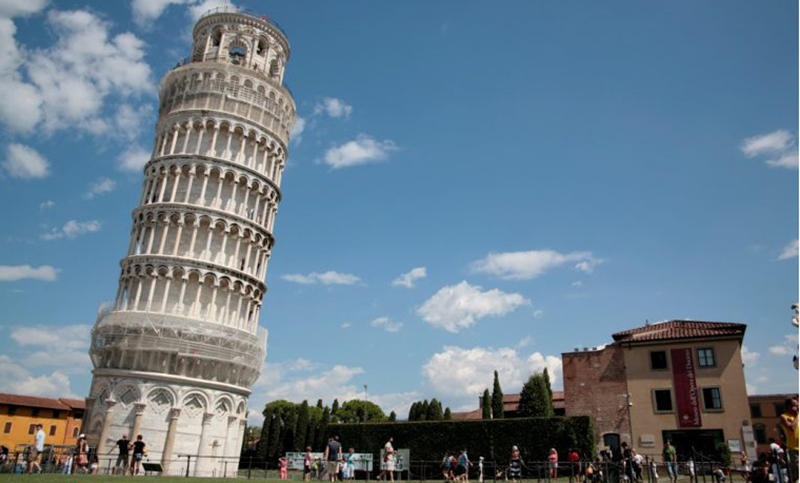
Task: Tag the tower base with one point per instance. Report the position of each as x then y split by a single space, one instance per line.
190 426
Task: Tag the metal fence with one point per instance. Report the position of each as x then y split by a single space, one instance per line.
60 460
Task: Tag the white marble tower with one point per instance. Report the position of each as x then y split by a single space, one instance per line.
176 353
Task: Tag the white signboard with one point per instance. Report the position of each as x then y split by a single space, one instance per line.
402 457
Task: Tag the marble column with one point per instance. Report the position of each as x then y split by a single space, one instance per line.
230 437
203 449
169 444
137 420
105 433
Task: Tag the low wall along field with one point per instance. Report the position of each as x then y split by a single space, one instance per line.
491 439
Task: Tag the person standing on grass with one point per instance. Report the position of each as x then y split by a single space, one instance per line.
139 450
307 464
81 455
388 461
122 459
552 463
35 457
333 454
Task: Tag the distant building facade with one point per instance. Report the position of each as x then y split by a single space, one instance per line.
679 380
766 410
60 418
510 407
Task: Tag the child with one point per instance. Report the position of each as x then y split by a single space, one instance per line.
654 470
480 469
282 465
350 467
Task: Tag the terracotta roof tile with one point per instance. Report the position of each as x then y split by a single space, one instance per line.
681 329
468 415
32 402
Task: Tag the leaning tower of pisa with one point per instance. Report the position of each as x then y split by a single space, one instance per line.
176 353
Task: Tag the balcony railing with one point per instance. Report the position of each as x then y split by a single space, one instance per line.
249 13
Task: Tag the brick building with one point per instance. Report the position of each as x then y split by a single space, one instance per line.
510 407
765 410
679 380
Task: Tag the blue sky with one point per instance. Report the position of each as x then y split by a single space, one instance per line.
543 173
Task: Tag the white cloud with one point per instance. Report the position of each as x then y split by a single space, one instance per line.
51 337
346 325
19 380
524 342
326 278
773 142
46 205
577 284
538 313
297 130
145 12
199 7
408 279
470 371
789 251
749 358
20 8
779 145
386 324
362 150
67 84
333 107
99 187
531 264
72 229
133 159
456 307
297 380
787 347
25 162
12 273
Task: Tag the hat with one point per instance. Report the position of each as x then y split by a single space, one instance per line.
81 436
514 448
481 458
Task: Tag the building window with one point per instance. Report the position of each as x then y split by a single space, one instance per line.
31 429
56 414
12 410
35 413
7 427
52 430
75 432
658 360
662 400
760 433
712 399
779 408
705 357
755 411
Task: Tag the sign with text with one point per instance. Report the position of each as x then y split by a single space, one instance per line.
402 458
686 397
361 461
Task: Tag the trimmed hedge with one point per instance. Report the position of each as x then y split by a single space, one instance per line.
492 439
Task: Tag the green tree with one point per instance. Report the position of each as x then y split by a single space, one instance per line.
392 417
324 420
448 416
486 405
423 410
314 417
302 426
263 440
434 411
319 403
497 398
290 432
413 412
534 400
358 411
334 410
546 376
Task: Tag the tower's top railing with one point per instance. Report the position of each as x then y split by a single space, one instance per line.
244 11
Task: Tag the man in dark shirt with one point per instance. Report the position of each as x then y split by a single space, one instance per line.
333 454
138 455
122 459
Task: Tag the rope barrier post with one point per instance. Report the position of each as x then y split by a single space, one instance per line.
250 467
188 464
225 470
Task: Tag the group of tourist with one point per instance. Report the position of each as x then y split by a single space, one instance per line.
337 466
124 464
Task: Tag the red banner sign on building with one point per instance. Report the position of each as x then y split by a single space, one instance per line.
686 397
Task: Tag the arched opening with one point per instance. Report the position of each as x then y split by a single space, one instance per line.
237 54
216 38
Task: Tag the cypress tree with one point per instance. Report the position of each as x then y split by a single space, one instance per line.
546 377
311 436
302 426
497 398
319 403
423 410
486 405
275 430
448 416
290 432
392 417
323 427
534 400
434 412
334 410
413 411
263 439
